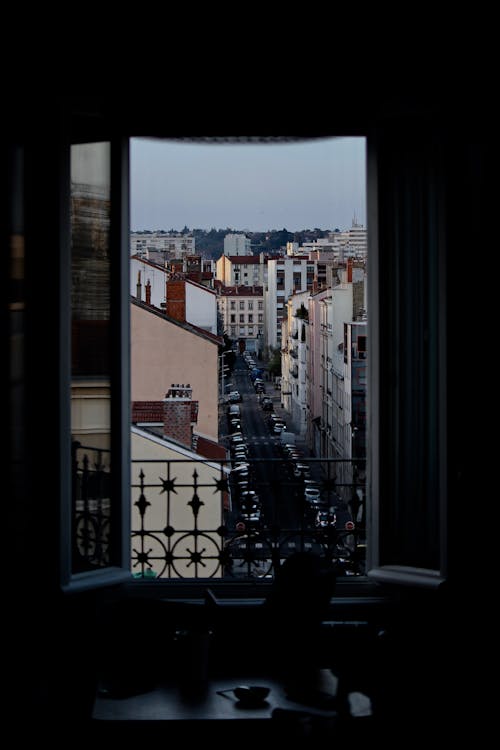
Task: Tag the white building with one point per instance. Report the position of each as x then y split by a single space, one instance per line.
295 335
151 283
351 243
237 244
339 313
168 245
314 382
285 276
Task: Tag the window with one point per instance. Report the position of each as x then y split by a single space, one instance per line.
250 318
242 318
250 304
242 305
233 305
395 268
95 406
261 305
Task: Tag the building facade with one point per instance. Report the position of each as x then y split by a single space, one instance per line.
237 244
247 270
155 285
286 276
165 351
295 337
154 245
242 313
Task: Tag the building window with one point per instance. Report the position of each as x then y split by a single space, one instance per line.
242 305
242 318
260 305
250 304
233 304
250 318
233 319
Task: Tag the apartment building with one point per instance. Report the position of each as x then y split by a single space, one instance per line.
237 244
286 276
242 313
161 245
245 270
294 361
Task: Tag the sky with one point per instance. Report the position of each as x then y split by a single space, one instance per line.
253 187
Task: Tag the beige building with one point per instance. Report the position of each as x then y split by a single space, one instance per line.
242 311
236 270
173 554
166 351
178 500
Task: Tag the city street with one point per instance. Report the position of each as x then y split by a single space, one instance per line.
281 495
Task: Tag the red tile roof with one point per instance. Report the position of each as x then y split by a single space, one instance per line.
236 259
147 411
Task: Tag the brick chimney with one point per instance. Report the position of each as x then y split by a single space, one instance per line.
148 292
138 287
176 299
179 414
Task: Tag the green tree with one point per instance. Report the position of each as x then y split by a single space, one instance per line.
274 366
227 349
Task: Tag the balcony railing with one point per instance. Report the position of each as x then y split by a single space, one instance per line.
189 518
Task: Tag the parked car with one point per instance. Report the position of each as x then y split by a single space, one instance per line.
325 518
251 519
235 397
235 425
301 470
312 495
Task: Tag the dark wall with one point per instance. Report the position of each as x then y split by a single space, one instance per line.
53 640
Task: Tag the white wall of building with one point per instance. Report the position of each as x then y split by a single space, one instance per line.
201 302
148 272
177 246
277 297
237 244
201 307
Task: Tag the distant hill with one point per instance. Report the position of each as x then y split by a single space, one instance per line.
210 243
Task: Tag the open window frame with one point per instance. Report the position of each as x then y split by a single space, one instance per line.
404 201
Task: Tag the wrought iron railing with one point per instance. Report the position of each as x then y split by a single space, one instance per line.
190 519
91 488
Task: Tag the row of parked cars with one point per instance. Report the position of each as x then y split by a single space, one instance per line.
300 470
249 504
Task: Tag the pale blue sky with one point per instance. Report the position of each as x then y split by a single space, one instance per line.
253 187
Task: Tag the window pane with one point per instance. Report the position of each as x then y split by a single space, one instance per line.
262 502
90 347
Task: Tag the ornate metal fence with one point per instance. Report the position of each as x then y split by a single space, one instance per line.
192 519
